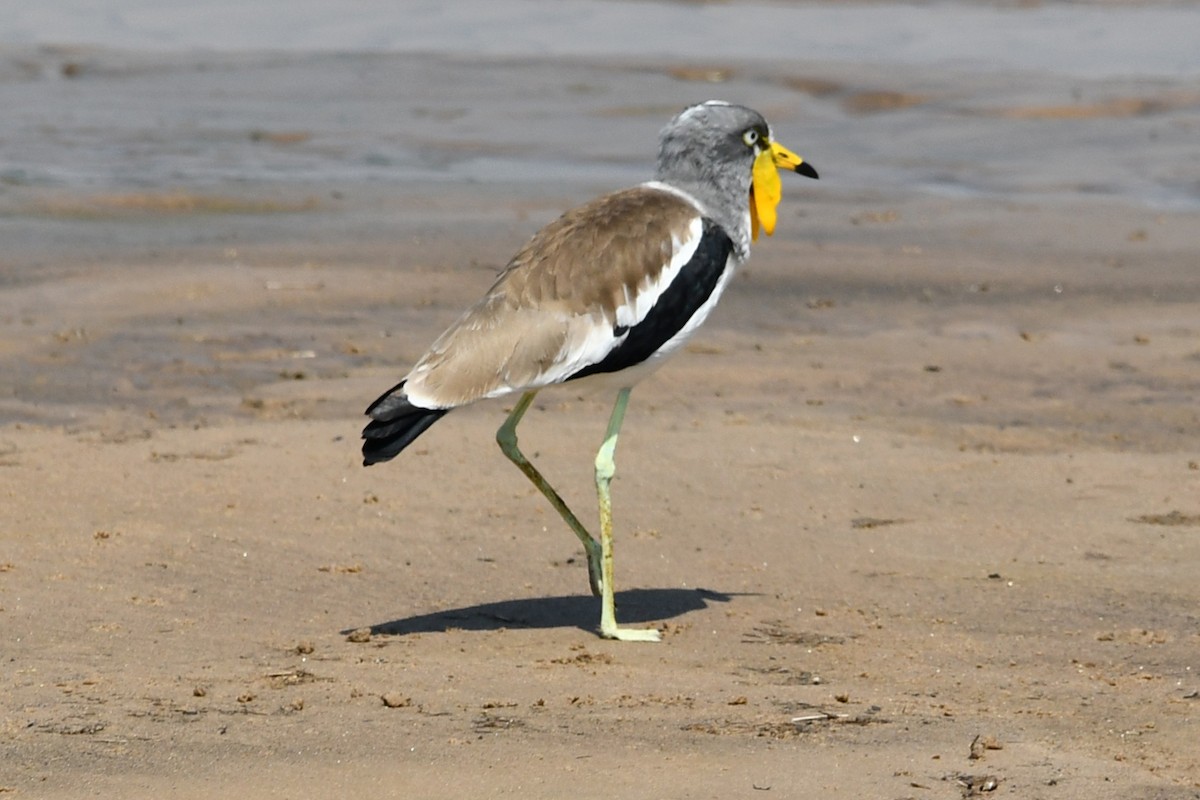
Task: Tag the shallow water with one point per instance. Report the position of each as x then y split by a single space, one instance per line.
1087 41
1053 102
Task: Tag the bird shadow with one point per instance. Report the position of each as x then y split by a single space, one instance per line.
580 611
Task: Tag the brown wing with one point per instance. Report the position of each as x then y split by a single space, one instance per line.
556 300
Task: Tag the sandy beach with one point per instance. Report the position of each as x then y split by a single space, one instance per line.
918 512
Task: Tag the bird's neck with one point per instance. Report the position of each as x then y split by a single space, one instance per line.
725 199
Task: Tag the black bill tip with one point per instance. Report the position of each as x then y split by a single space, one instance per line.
807 170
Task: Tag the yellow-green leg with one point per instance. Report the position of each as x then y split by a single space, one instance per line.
606 467
506 436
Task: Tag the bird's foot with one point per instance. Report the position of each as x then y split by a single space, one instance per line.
631 634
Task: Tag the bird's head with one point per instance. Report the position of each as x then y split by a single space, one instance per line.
715 140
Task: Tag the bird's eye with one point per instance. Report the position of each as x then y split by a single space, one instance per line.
750 137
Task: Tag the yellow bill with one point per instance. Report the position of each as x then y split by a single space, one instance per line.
765 187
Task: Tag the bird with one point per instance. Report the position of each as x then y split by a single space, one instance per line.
603 294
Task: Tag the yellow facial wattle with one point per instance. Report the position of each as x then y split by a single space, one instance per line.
765 191
766 188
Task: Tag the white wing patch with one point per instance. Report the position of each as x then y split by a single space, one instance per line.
647 293
590 341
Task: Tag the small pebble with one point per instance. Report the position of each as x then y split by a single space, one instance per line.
395 700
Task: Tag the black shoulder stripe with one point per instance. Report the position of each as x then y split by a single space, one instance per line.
691 289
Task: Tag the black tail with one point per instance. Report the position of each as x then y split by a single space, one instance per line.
394 424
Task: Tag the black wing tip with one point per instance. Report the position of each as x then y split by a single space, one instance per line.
383 398
384 439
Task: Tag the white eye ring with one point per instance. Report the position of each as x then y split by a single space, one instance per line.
750 137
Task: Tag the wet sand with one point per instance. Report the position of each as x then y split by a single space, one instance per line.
917 511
